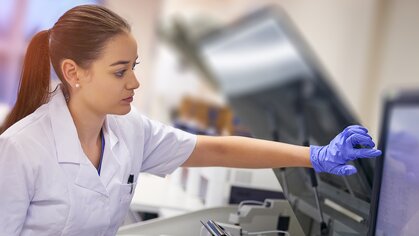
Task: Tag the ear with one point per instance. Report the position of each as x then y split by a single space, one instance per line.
70 69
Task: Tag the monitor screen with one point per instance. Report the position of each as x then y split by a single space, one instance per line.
396 200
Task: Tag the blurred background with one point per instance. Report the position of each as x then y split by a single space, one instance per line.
362 49
367 47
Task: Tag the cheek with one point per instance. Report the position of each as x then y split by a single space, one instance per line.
109 88
102 95
110 97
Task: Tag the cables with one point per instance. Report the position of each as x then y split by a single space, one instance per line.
242 203
267 232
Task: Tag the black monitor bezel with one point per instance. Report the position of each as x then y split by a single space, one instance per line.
406 98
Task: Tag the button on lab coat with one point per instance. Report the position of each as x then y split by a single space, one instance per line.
49 186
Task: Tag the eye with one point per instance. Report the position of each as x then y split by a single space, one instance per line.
135 63
120 74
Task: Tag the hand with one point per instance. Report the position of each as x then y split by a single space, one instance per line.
354 142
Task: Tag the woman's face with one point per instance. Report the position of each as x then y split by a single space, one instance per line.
108 85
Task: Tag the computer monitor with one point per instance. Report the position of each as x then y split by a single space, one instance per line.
395 197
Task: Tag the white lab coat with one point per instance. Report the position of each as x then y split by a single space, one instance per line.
49 187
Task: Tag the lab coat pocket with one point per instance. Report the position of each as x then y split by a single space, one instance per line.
125 196
127 191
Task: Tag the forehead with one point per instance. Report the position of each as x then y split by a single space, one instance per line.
120 47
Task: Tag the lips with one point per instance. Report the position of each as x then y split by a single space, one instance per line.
128 99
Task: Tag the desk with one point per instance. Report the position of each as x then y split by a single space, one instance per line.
159 195
183 225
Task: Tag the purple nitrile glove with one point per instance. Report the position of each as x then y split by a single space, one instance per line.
332 158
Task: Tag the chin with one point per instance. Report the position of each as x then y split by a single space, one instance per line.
122 110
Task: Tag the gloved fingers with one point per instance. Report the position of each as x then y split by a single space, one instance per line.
355 130
343 170
356 127
363 140
366 153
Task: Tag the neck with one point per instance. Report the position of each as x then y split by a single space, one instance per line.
87 122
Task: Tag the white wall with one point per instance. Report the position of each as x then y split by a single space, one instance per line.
339 33
397 55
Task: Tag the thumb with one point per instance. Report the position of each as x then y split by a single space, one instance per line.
344 170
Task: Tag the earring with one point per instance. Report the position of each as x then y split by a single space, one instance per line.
77 85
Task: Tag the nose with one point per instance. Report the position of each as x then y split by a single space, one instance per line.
133 83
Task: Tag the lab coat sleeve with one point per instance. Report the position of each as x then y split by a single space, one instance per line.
17 180
165 147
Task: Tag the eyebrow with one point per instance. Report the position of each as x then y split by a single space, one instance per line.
121 62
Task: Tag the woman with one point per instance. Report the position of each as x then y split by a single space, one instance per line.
69 159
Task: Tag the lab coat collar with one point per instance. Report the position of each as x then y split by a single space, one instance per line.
69 149
110 162
66 139
65 132
113 139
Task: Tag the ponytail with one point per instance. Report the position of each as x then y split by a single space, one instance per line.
35 80
80 35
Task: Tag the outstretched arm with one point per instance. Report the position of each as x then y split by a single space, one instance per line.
352 143
242 152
